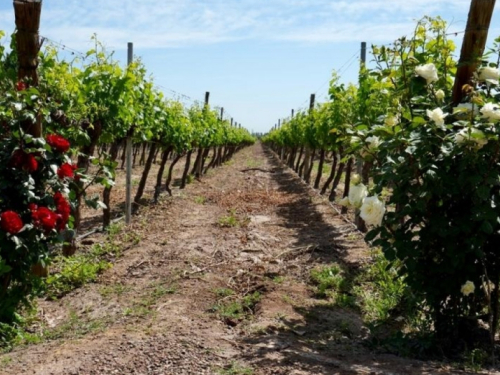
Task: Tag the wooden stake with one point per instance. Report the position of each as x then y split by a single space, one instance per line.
128 150
360 223
308 150
476 33
27 14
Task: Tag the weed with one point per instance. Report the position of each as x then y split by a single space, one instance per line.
252 163
4 361
235 369
73 272
278 279
287 299
229 221
223 292
381 290
160 290
328 279
114 289
132 237
475 360
114 229
189 179
200 200
238 309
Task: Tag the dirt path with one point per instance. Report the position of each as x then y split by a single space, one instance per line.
216 281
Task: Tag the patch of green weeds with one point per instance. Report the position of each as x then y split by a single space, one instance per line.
475 360
223 292
235 369
74 327
253 163
230 220
237 308
114 289
4 361
200 200
381 290
73 272
189 179
278 279
144 306
287 299
328 279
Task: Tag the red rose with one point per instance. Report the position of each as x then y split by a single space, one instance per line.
11 222
30 163
21 159
58 143
44 218
63 210
20 86
66 170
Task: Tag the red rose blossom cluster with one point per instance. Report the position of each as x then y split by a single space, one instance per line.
43 217
66 170
21 159
11 222
21 86
63 210
47 219
58 143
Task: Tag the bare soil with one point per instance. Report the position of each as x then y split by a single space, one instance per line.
250 228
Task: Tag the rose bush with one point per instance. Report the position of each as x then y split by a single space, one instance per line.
35 183
441 165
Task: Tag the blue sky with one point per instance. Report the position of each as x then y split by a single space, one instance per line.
258 58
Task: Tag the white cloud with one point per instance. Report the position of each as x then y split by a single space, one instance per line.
176 23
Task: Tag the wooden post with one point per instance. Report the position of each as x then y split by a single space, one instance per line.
128 180
27 14
360 223
199 159
308 150
476 33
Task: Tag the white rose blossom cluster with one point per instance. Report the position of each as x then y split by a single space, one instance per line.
468 288
428 72
489 75
437 115
372 209
471 135
372 144
491 111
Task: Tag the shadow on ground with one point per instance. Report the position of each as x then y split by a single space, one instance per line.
327 338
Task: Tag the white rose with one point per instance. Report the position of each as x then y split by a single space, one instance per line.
344 202
356 194
490 75
468 288
491 111
373 142
427 71
440 95
372 211
475 135
391 120
437 116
